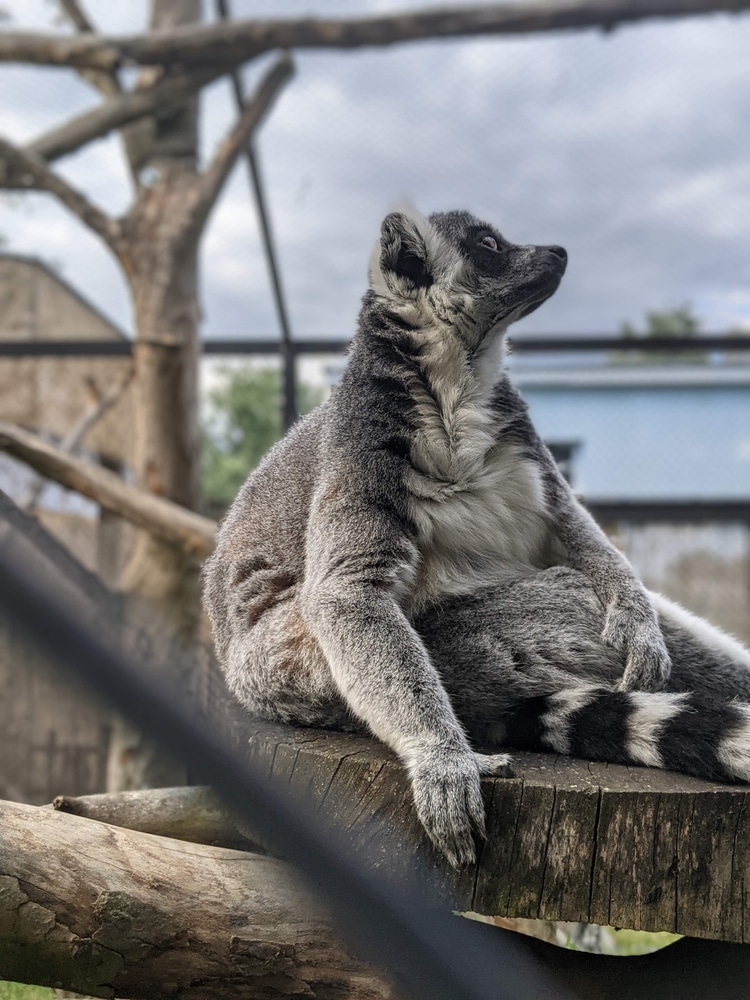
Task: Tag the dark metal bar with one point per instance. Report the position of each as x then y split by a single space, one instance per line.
680 511
124 348
288 359
433 955
336 345
636 345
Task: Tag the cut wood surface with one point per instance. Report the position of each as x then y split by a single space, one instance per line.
187 530
108 912
566 839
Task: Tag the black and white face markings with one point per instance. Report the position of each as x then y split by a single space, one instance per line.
510 280
457 270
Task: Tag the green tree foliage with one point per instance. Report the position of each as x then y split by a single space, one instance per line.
679 322
242 419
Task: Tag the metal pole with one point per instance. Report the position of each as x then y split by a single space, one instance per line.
288 358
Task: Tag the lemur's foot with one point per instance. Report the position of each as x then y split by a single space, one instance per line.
637 635
448 799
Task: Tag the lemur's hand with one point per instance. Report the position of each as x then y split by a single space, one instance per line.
632 628
448 798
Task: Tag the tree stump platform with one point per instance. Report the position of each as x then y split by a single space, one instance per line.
566 839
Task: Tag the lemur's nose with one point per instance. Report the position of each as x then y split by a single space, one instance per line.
559 252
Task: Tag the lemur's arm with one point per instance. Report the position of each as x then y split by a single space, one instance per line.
358 565
631 624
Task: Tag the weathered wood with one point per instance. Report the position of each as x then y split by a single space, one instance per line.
567 840
109 912
194 813
181 527
238 41
87 907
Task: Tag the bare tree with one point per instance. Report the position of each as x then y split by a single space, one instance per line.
156 244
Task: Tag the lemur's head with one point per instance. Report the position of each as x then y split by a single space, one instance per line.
453 269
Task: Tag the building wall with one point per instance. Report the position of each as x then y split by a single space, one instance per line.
52 394
53 737
703 566
658 442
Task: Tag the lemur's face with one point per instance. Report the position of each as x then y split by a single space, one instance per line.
453 268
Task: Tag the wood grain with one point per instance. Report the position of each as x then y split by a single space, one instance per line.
567 839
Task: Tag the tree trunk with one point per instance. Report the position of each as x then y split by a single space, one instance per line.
160 262
109 912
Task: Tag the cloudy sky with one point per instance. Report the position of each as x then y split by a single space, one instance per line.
632 149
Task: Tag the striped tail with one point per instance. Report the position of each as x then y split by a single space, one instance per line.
683 732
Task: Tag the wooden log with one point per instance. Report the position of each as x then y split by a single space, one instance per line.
109 912
194 813
566 839
90 908
183 528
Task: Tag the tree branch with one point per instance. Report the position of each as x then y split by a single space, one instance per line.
237 41
121 110
194 813
108 84
233 145
105 81
189 531
99 404
77 15
21 168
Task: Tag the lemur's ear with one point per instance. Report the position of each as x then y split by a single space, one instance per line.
403 248
402 258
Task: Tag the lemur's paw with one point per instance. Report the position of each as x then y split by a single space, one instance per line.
647 662
448 799
497 765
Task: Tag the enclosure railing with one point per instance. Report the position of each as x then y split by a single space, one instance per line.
719 343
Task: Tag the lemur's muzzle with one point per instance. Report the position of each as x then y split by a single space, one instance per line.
556 258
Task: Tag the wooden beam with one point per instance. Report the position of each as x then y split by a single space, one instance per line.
109 912
235 42
183 528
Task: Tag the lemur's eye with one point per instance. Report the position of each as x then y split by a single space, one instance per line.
489 241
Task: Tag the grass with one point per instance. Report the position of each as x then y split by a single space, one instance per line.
20 991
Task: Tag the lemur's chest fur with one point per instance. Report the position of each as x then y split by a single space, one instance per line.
476 499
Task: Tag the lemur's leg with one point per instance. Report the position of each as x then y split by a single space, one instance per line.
525 666
274 666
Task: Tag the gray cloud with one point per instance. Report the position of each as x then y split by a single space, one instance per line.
630 149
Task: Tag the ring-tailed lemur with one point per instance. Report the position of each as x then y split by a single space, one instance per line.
409 557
